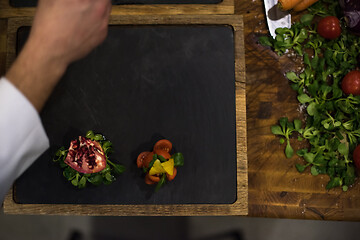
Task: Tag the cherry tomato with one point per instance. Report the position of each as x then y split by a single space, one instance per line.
163 153
163 144
148 158
140 159
351 83
170 178
329 27
356 156
154 178
148 180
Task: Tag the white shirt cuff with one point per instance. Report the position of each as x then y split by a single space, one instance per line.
22 135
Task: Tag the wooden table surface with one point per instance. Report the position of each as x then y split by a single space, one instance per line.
276 189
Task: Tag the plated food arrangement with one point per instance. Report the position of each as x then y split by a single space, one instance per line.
159 165
87 161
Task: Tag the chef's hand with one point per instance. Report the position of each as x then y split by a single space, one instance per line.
63 31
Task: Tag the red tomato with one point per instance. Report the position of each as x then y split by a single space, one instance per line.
86 156
148 180
351 83
148 159
163 144
172 176
356 156
140 159
329 27
153 178
163 153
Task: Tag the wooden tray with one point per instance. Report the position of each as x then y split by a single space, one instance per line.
33 3
224 7
239 207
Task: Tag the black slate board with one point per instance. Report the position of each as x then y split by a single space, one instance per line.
33 3
142 84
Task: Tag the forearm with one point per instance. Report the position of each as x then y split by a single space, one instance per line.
63 31
35 74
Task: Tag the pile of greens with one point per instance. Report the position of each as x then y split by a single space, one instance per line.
332 125
106 176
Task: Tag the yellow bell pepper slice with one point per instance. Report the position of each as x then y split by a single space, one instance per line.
168 166
157 168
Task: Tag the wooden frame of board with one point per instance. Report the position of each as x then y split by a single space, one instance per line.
225 7
239 207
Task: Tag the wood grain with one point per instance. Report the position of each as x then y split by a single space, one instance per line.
225 7
239 207
276 189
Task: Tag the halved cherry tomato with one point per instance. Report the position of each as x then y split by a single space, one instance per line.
148 180
171 177
163 153
140 159
154 178
148 159
163 144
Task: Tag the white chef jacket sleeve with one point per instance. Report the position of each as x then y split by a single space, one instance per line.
22 135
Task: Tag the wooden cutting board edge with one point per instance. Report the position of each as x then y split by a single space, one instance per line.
239 207
225 7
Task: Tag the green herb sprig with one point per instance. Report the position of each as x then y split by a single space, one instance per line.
332 125
79 180
286 129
